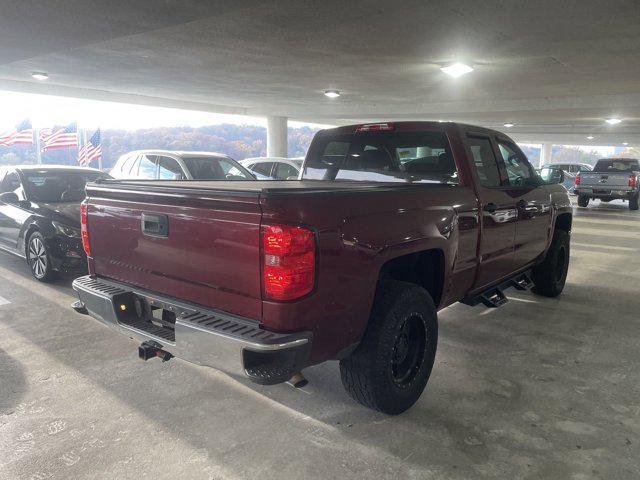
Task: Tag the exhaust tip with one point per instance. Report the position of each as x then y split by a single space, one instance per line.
298 380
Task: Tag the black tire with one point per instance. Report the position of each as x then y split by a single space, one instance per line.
390 368
583 200
38 258
633 202
550 276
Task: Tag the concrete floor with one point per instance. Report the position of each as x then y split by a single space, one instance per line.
540 388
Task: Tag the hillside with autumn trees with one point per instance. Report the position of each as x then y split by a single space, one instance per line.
237 141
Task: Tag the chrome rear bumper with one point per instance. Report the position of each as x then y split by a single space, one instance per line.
216 339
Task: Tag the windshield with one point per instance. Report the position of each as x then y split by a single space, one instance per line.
216 168
617 165
382 157
57 186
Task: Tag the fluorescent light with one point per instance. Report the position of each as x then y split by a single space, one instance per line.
625 143
590 137
613 121
331 93
509 124
457 69
40 75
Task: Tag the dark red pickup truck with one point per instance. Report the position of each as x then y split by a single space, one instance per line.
390 223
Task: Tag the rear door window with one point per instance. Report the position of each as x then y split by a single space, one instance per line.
169 169
285 171
484 161
263 168
382 157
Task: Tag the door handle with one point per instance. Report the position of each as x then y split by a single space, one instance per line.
490 207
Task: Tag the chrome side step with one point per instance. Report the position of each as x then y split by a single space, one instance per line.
494 297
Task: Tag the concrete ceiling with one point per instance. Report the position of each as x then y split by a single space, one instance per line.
557 69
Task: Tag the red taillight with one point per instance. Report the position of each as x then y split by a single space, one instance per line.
83 228
577 179
374 127
289 261
632 180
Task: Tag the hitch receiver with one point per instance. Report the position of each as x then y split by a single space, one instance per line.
150 349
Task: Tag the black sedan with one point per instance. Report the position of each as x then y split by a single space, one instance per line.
40 216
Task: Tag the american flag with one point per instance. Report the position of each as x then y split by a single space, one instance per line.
91 150
23 135
59 137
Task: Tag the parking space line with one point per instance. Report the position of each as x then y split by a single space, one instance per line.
607 233
607 222
608 247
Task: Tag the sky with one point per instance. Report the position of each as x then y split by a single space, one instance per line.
47 111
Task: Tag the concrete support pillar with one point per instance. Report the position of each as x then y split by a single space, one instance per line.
277 137
545 154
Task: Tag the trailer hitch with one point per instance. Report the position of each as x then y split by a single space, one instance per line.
150 349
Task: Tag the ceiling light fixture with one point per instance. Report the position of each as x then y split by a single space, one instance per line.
40 75
613 121
331 93
509 124
590 137
625 143
457 69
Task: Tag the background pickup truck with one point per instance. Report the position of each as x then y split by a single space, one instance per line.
612 178
390 223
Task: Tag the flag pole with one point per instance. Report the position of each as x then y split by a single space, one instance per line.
100 157
38 152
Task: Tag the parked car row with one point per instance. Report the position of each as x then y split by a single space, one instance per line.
387 223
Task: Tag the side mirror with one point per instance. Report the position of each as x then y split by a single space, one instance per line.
552 175
9 197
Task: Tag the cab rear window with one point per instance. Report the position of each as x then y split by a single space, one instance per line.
382 157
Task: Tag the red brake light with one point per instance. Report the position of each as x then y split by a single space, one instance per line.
83 228
632 180
374 127
289 261
577 179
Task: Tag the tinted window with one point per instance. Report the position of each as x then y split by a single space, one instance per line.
147 167
263 168
169 169
216 168
617 165
485 161
519 171
285 171
382 157
50 186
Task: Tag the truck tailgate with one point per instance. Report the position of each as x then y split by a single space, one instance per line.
209 254
604 180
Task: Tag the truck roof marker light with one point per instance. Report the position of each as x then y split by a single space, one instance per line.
374 127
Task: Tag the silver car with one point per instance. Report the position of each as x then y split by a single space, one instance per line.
170 165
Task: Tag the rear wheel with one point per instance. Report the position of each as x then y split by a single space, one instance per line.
633 202
583 200
550 276
39 259
390 368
